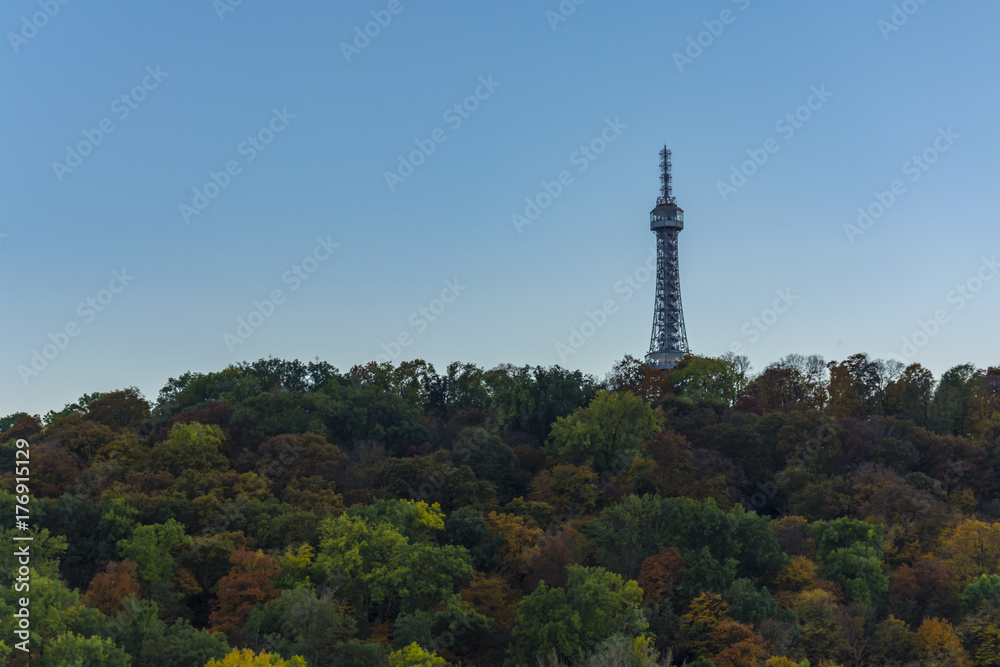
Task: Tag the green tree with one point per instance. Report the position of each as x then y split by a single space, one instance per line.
492 461
373 563
72 650
985 589
357 557
414 519
953 398
189 447
850 552
698 379
594 606
151 643
300 622
154 549
750 605
606 434
717 545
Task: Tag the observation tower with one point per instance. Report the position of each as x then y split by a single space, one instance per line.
668 344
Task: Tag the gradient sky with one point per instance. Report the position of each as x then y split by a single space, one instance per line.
556 84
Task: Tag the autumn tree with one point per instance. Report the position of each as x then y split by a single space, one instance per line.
119 409
519 544
249 582
552 561
660 574
287 457
492 596
819 631
19 425
937 643
738 644
671 452
969 549
706 613
108 588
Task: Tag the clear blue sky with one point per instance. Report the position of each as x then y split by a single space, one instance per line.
207 84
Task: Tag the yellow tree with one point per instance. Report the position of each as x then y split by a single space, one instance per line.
415 656
970 549
492 596
794 577
781 661
706 613
982 631
937 644
248 658
820 636
520 543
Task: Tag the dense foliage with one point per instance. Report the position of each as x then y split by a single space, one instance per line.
281 513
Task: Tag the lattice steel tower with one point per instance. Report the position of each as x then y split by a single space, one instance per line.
668 344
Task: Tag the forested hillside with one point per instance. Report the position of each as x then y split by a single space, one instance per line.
282 513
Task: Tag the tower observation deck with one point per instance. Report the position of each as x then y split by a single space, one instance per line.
668 344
